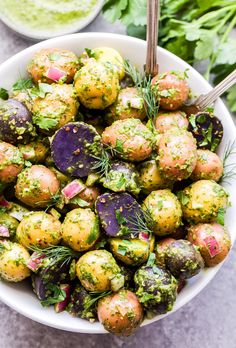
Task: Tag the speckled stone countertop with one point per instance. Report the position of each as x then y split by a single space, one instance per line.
208 321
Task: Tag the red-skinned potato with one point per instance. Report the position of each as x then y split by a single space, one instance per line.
36 186
209 166
177 154
160 250
166 120
11 162
120 313
88 195
172 88
213 241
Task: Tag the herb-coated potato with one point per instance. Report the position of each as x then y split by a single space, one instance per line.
11 162
80 229
156 289
13 260
132 252
37 186
39 229
177 154
165 210
120 313
86 198
96 85
151 178
167 120
182 259
172 89
209 166
129 104
202 200
161 248
35 151
130 139
97 270
52 65
58 107
213 241
24 97
10 223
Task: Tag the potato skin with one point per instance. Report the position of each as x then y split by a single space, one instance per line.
11 162
59 106
39 229
95 269
96 85
46 58
165 210
13 260
35 151
167 120
177 154
172 89
111 56
213 241
36 186
10 223
209 166
130 138
120 313
150 177
123 109
202 200
80 229
160 249
89 195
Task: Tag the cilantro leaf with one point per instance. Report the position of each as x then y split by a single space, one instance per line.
122 249
151 260
22 84
183 198
113 9
44 122
221 216
41 90
57 295
227 52
4 93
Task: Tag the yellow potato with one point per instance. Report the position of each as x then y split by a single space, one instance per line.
13 260
39 229
80 229
111 56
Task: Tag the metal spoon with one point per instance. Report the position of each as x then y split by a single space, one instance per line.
206 100
153 11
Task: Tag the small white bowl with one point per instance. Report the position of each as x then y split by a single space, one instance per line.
37 35
20 296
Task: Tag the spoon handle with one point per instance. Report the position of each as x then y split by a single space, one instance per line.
153 10
207 99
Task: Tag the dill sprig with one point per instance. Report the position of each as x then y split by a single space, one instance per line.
229 172
102 164
141 222
56 254
95 296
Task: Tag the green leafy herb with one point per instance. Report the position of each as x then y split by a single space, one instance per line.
95 296
4 93
182 197
119 146
221 216
54 56
44 122
229 166
90 53
41 90
22 84
58 295
120 219
122 249
80 202
121 181
192 120
151 260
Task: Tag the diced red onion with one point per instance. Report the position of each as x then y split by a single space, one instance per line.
181 285
61 306
72 189
144 235
4 231
212 245
35 261
55 74
4 203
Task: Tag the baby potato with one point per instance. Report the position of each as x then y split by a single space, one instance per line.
132 252
209 166
150 177
13 261
53 65
80 229
161 248
96 85
167 120
165 210
39 229
130 139
120 313
24 97
88 197
10 223
58 107
11 162
172 89
177 154
129 104
97 270
35 151
108 55
36 186
213 241
202 200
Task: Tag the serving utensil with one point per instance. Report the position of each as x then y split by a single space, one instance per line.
153 13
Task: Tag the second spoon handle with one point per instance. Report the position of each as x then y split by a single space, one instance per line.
207 99
151 67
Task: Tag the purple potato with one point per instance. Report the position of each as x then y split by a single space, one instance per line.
119 214
127 81
207 129
15 122
74 147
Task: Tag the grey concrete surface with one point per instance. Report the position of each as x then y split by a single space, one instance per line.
209 321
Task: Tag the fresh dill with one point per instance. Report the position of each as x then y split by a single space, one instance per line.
141 222
229 166
95 296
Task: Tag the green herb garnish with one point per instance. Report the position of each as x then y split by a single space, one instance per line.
58 295
4 93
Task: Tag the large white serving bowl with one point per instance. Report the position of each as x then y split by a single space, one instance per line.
20 296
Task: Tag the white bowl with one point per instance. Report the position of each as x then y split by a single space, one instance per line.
20 296
36 35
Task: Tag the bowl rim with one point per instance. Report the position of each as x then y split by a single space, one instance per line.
195 74
25 32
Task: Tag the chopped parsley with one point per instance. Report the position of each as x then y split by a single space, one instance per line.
4 93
